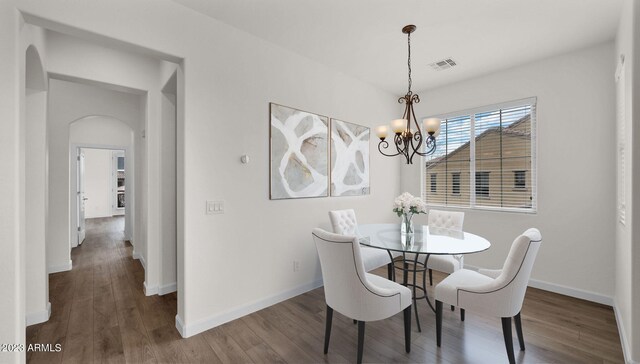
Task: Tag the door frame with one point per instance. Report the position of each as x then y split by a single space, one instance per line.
80 197
129 183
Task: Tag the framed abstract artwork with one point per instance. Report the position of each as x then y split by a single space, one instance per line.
299 149
349 159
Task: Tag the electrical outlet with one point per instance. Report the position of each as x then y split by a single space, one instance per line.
296 266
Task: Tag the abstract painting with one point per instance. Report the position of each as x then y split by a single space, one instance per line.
349 159
299 153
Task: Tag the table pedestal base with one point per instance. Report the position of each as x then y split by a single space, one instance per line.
414 266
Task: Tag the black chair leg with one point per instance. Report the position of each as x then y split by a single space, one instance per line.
438 322
405 274
407 329
327 330
430 277
462 314
519 331
508 339
360 340
390 271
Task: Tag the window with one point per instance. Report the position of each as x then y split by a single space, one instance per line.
519 179
482 184
487 158
434 182
455 183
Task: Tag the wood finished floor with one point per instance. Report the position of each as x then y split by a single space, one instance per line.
100 314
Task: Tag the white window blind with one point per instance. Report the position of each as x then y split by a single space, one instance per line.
496 169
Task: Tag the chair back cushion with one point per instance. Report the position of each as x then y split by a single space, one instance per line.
446 219
517 269
344 222
346 286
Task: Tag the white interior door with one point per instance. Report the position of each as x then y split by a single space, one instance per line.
81 197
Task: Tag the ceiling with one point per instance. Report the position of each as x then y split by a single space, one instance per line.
363 38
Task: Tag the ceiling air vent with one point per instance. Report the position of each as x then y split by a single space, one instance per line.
443 65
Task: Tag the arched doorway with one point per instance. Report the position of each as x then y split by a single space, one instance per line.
37 308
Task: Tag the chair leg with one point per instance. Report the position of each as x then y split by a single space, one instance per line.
407 329
390 271
438 322
430 277
462 314
508 339
405 274
519 331
327 330
360 340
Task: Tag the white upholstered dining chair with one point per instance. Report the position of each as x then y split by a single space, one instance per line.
452 220
353 292
344 222
493 292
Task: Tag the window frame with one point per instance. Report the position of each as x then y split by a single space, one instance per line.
471 112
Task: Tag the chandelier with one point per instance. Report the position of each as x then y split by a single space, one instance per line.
409 142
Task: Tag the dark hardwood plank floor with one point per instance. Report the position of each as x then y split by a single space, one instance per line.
100 314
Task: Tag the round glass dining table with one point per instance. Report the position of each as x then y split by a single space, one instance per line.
425 241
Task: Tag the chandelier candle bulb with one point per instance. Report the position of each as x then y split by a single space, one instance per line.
382 132
431 125
399 125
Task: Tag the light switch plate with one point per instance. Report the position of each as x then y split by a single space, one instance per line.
214 207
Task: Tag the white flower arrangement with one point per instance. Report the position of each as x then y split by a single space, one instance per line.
407 204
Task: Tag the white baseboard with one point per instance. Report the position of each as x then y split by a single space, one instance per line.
235 313
564 290
167 288
140 257
149 291
60 268
626 348
180 326
38 317
572 292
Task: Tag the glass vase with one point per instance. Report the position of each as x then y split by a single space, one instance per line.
406 229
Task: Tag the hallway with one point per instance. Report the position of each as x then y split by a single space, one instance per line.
98 309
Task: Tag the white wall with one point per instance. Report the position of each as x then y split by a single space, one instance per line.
35 179
627 294
227 87
98 179
12 91
168 198
576 168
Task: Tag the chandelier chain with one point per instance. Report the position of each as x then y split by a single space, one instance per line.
409 60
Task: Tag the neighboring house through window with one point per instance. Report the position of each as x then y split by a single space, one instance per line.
434 182
455 183
485 158
482 184
519 179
